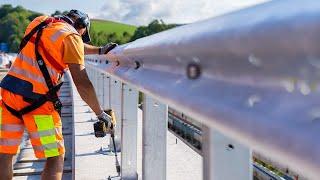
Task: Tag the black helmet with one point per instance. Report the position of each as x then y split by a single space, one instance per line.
81 21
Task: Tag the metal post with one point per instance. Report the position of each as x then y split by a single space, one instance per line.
94 77
99 86
115 99
129 133
89 72
154 134
106 92
224 158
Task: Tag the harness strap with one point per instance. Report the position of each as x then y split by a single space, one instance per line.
51 95
13 111
40 61
37 103
27 38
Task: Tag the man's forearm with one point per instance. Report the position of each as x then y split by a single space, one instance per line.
84 86
88 94
89 49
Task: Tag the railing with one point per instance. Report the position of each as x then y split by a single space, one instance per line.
251 75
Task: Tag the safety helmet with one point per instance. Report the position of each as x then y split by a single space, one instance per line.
81 21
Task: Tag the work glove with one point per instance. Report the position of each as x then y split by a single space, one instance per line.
104 117
108 47
110 112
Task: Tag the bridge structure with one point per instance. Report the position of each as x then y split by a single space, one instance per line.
249 77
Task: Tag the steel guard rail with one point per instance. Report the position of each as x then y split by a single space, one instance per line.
251 74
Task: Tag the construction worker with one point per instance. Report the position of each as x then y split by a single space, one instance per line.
29 90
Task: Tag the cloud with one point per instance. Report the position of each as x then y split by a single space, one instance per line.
142 12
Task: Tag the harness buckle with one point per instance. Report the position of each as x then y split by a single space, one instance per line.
57 105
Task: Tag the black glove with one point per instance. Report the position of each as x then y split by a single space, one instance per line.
105 49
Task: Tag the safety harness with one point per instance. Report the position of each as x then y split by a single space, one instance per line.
51 95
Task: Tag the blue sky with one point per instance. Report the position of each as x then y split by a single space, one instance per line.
140 12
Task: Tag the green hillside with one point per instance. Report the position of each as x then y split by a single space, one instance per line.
110 27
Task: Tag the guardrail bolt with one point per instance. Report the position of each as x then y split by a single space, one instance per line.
118 63
193 71
230 147
137 64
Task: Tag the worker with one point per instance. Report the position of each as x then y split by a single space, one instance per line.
51 45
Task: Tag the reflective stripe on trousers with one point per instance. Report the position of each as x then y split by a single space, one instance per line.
11 127
39 134
49 146
10 142
46 132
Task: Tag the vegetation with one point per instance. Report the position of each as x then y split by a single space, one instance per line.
111 27
14 20
154 27
102 32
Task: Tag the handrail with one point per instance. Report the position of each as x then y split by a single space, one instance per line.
251 74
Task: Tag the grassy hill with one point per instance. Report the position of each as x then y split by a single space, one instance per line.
110 27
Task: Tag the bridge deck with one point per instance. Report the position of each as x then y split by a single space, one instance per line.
88 161
27 166
91 163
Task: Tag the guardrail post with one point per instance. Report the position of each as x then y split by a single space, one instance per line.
99 86
224 158
115 98
154 139
89 72
94 77
106 91
129 133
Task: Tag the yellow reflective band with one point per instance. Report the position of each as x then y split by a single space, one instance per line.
51 149
44 122
48 139
51 153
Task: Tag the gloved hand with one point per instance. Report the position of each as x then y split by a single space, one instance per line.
104 117
108 47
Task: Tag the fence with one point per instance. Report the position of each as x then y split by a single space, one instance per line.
251 75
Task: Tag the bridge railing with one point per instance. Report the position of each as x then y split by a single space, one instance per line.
251 75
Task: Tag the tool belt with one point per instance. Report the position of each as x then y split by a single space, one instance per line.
51 95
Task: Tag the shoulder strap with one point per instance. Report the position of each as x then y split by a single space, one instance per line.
27 38
52 94
41 62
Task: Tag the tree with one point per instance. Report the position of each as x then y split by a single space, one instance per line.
13 29
154 27
5 9
13 22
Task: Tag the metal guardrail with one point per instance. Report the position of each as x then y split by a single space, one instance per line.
252 75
